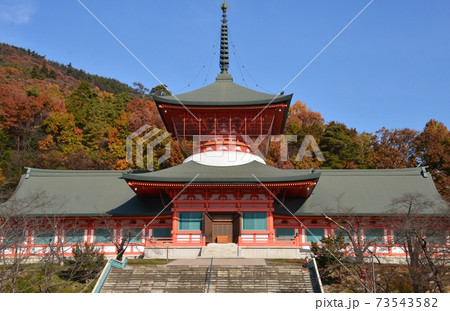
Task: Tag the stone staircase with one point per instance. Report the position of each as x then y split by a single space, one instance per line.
260 279
194 279
156 279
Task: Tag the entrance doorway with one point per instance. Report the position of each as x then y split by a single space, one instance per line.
222 227
222 232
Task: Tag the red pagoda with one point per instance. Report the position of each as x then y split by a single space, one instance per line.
224 193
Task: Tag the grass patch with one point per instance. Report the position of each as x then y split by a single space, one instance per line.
148 261
33 279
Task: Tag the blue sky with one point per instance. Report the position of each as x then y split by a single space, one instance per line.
390 67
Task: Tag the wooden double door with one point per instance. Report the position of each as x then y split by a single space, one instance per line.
222 227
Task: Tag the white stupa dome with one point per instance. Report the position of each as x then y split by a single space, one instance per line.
224 158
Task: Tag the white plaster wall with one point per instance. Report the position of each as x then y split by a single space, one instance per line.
174 252
267 252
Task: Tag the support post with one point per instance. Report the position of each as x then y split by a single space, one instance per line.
270 227
174 227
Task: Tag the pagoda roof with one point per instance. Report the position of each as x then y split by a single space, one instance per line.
223 92
186 172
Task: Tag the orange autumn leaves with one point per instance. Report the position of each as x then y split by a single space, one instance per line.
346 148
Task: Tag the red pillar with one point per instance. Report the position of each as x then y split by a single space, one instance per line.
270 227
89 227
174 227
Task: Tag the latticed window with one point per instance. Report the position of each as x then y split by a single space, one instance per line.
285 232
74 236
314 235
162 233
45 237
103 236
134 234
190 221
436 237
254 221
374 235
14 237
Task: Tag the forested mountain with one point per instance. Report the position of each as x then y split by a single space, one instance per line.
35 66
59 117
56 116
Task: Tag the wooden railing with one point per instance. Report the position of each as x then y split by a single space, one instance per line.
189 239
268 240
161 241
194 239
295 241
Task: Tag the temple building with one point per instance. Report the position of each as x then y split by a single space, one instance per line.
223 194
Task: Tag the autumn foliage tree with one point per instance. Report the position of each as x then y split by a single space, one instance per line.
301 121
63 140
395 148
433 150
17 110
143 112
20 117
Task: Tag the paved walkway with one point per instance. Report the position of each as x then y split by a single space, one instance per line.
219 262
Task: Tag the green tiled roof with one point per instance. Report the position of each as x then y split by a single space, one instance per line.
367 192
186 172
91 193
85 193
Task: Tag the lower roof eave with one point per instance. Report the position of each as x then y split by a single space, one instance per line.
381 215
84 215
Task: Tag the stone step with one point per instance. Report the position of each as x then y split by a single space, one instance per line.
194 279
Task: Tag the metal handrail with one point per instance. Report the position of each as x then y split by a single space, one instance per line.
112 263
312 264
210 273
